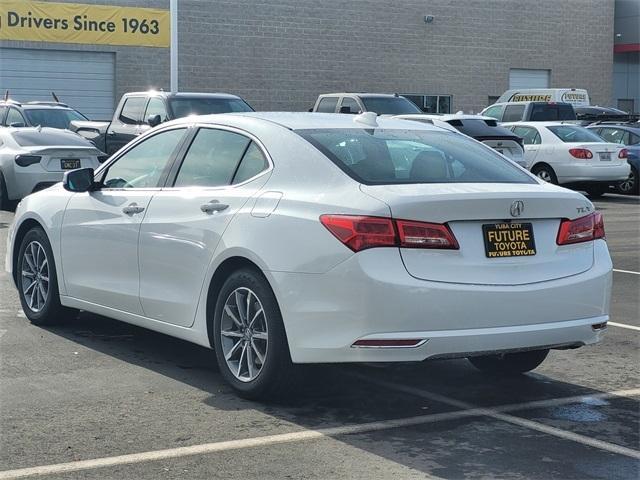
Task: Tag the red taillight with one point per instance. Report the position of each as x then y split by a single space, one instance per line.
425 235
624 153
581 229
361 232
581 153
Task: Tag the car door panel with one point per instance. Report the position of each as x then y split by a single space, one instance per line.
100 247
177 241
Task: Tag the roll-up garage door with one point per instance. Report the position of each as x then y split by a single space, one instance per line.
82 80
528 78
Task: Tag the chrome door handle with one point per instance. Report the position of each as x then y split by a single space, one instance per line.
132 209
213 206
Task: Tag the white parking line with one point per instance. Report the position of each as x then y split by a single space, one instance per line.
305 435
623 325
626 271
495 413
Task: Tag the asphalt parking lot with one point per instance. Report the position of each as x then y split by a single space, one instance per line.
99 399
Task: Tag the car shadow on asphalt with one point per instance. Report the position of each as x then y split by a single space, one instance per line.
335 395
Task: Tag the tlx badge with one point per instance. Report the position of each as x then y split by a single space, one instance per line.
517 208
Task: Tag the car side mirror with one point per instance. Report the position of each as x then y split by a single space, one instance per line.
80 180
17 125
154 120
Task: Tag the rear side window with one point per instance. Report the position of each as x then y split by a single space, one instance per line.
529 135
615 135
513 113
212 158
494 112
132 110
385 157
327 105
574 134
251 165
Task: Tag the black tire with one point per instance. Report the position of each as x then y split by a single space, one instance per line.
631 185
277 374
51 312
546 173
510 363
596 191
4 195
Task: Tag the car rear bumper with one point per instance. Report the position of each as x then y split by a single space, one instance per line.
571 173
372 297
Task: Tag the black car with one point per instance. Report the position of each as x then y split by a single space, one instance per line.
591 114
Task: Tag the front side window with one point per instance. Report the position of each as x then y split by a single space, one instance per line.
384 157
3 111
15 117
529 135
327 105
52 117
212 158
144 164
131 113
156 107
574 134
513 113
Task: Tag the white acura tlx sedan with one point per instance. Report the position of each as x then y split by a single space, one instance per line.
280 239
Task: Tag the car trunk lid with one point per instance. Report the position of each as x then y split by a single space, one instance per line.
466 208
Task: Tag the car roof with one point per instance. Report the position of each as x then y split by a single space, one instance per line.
35 104
446 117
632 127
541 124
154 93
363 95
307 120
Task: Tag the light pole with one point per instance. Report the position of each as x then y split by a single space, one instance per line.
173 11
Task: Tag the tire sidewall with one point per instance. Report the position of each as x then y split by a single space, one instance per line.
277 350
52 303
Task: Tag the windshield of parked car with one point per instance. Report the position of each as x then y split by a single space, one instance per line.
33 137
389 105
385 157
574 134
52 117
183 107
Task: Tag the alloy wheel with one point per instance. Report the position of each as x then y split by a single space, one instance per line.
544 175
627 186
244 334
35 276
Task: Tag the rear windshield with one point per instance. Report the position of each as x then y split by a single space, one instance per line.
480 128
52 117
389 105
574 134
35 138
549 112
183 107
385 157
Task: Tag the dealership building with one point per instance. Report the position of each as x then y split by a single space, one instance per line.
279 55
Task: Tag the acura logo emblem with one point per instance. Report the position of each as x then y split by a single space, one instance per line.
517 208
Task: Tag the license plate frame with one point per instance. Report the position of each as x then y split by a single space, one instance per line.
69 163
508 239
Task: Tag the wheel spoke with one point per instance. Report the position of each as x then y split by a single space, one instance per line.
249 355
229 312
241 307
31 285
44 265
28 274
242 357
254 317
29 262
233 350
231 333
260 335
247 311
43 293
254 347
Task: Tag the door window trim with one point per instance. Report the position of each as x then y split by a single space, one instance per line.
101 172
173 174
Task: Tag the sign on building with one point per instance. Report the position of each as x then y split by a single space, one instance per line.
83 23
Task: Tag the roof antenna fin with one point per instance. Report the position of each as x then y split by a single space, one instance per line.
367 118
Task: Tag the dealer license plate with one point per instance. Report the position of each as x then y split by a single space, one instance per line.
69 163
508 240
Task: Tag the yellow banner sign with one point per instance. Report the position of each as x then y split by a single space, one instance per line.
82 23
